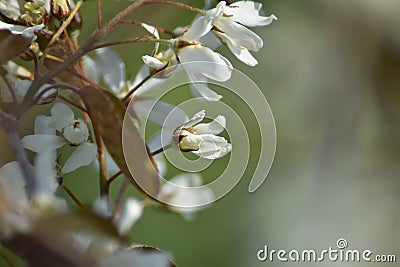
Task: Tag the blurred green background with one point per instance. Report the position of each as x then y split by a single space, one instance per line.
331 73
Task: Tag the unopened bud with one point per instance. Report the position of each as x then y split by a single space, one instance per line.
60 8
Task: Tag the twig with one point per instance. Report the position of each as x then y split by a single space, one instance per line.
65 24
72 195
113 177
72 103
134 89
160 150
10 124
141 39
120 198
139 24
94 38
9 87
99 18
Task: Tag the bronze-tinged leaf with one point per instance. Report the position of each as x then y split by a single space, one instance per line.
107 113
41 250
50 241
12 45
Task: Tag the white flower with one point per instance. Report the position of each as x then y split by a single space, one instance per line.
200 64
131 212
201 139
189 135
20 79
228 23
29 33
17 211
177 193
198 61
74 132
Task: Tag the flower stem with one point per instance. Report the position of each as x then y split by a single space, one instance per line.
64 26
176 4
160 150
114 177
99 18
72 195
142 39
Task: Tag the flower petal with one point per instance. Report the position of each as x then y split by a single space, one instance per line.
11 9
160 112
238 34
198 84
91 69
42 125
112 68
152 30
203 24
178 191
84 154
198 117
153 62
213 147
161 139
12 186
45 172
215 127
242 54
62 116
200 59
41 143
130 213
248 13
210 40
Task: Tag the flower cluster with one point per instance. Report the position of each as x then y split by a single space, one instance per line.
86 94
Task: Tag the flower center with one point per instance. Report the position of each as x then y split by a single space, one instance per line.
77 132
35 13
187 139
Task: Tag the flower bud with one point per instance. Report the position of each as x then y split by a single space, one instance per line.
77 132
60 8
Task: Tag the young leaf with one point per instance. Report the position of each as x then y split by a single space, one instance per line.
107 113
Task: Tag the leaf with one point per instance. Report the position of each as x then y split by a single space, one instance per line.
12 43
107 113
50 241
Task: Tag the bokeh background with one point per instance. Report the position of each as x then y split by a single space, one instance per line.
331 73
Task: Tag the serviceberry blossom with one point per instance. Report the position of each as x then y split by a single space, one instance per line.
198 61
73 131
18 211
201 138
189 135
175 192
20 79
228 24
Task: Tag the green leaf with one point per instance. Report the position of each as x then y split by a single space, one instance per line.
107 113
